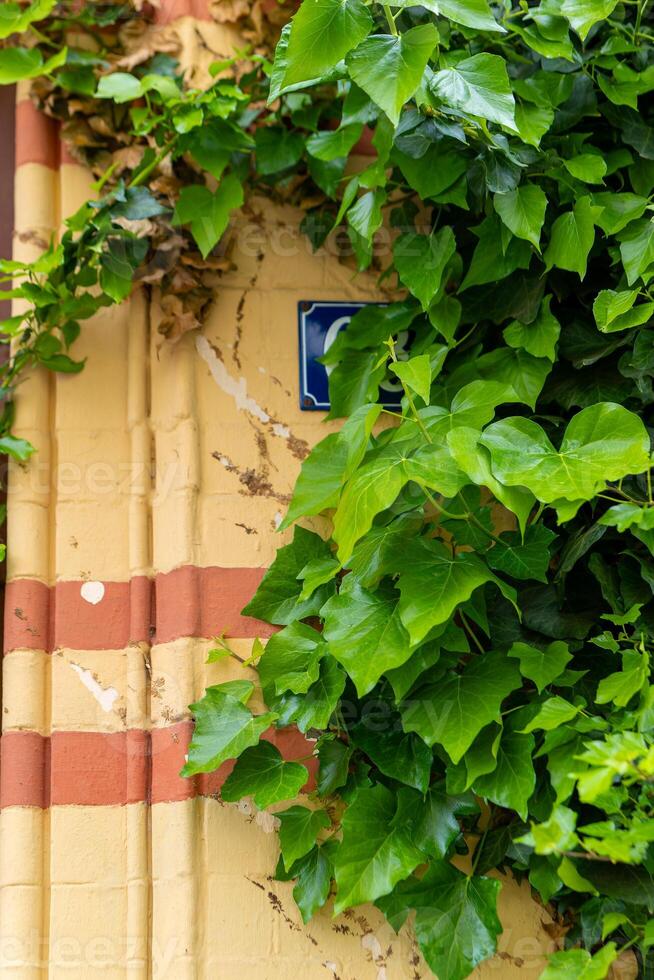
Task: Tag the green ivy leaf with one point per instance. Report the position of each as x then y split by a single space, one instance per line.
513 781
334 758
322 32
299 829
332 144
365 634
374 555
523 558
389 67
616 311
421 260
330 465
452 712
208 213
366 216
355 381
572 237
538 338
620 687
478 86
18 449
471 13
277 148
314 880
15 19
375 853
602 442
17 64
552 713
277 598
378 481
474 459
490 260
291 659
542 666
523 211
434 172
404 758
120 87
415 374
617 210
118 262
587 167
437 822
456 917
261 772
637 249
555 834
583 14
316 707
224 727
578 964
433 583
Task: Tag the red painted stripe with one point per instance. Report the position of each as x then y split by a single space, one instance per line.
194 601
189 601
42 618
37 137
169 10
100 769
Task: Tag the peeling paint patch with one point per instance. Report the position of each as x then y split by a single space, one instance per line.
237 389
92 592
268 822
105 696
373 946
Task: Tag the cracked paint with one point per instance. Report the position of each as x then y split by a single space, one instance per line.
105 696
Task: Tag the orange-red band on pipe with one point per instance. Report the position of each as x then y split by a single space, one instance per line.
113 769
189 601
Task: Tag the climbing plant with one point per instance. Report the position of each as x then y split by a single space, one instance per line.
466 609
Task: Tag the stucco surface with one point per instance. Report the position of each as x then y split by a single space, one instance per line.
136 533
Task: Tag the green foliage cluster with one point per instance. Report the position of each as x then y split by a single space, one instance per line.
470 646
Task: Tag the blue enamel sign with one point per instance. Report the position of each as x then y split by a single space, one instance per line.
320 322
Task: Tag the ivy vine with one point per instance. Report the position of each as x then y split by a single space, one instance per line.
467 641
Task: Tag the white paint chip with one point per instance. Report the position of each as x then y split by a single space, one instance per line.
236 388
372 944
281 430
105 696
92 592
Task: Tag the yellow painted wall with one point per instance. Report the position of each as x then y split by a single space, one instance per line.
159 456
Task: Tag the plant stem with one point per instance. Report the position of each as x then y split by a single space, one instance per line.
389 19
145 173
639 16
469 630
